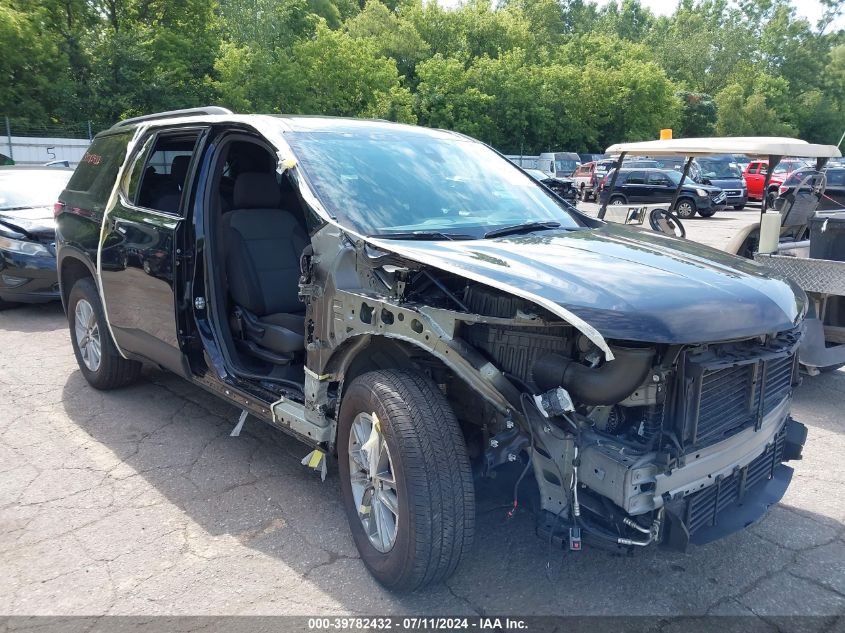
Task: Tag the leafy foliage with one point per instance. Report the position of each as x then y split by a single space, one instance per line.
525 75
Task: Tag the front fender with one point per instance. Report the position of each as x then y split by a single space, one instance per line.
366 317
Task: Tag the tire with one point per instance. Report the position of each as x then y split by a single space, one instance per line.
749 246
770 199
739 207
709 213
617 199
112 370
685 208
432 489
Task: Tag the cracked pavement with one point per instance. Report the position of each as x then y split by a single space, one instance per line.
137 502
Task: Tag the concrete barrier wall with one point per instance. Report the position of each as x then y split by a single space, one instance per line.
27 150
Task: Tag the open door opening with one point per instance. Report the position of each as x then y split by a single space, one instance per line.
255 236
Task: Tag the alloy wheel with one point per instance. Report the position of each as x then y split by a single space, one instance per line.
87 334
373 481
685 210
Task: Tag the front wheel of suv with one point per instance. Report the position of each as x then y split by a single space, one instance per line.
99 361
685 209
405 478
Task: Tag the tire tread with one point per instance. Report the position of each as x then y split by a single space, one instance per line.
437 468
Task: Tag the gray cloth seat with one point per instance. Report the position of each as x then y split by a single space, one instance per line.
170 192
262 245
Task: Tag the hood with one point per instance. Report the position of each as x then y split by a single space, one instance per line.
728 183
36 222
627 283
710 189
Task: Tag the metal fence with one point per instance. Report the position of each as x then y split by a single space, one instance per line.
526 162
40 144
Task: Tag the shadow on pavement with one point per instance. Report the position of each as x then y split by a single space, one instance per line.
253 488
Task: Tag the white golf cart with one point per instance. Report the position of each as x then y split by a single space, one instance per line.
789 250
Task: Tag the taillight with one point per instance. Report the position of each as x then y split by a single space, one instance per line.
783 189
58 207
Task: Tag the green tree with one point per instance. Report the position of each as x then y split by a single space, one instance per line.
697 115
33 77
394 36
446 98
740 114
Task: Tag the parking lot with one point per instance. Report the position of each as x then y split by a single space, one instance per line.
139 502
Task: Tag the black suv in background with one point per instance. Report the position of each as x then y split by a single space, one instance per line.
404 317
657 186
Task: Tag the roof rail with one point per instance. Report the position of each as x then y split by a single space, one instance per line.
206 110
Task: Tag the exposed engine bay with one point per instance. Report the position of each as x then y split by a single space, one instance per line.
658 445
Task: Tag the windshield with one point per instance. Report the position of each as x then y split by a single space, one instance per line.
382 182
785 167
719 169
565 165
25 189
674 176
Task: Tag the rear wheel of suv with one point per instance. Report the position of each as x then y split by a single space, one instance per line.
707 213
685 209
405 478
739 207
617 199
5 305
97 356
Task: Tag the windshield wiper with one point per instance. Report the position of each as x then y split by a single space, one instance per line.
422 235
525 227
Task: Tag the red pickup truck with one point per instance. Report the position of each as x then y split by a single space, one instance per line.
755 177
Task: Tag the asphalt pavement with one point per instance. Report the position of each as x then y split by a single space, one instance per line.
139 502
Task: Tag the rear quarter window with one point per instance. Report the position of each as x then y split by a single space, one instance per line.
97 171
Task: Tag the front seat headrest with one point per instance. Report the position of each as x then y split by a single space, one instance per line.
179 169
256 190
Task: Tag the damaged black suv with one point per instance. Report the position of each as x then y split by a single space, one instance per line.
403 298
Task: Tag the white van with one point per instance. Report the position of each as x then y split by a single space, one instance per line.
559 164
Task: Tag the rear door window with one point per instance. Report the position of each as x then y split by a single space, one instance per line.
158 174
659 180
636 178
